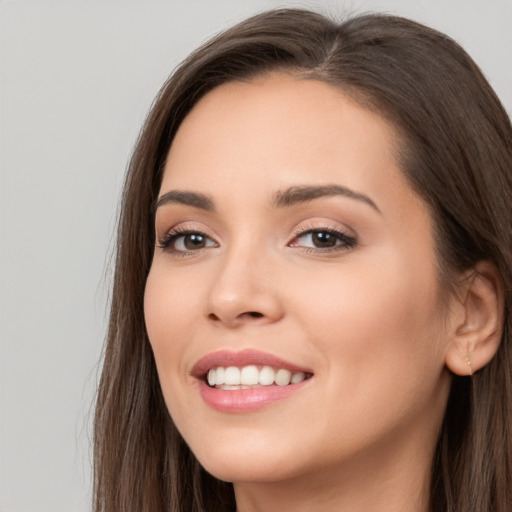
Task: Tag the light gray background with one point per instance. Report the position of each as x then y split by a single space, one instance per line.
77 78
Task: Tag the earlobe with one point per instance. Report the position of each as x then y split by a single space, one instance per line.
476 334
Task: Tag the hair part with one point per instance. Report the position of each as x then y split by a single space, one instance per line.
456 153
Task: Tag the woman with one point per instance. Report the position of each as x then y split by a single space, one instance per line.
311 303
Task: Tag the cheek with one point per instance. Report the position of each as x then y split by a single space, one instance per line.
170 302
168 310
376 321
169 307
380 339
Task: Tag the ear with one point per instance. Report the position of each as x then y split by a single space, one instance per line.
477 321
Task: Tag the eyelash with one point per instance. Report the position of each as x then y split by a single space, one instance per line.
175 234
347 242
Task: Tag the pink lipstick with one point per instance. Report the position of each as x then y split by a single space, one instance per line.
247 380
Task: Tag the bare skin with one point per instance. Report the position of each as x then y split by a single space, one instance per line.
344 284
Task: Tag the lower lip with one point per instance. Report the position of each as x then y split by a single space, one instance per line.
244 400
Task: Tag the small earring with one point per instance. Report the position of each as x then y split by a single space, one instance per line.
468 362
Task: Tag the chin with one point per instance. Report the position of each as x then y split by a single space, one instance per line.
256 461
245 469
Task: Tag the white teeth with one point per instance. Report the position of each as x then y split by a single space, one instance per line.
283 377
267 376
220 376
297 377
250 376
232 376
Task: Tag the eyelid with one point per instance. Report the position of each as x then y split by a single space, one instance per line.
345 239
324 225
176 232
348 241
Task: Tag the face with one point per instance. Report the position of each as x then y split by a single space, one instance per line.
290 249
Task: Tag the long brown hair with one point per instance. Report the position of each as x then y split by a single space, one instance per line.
456 153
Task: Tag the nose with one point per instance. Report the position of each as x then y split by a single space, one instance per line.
244 291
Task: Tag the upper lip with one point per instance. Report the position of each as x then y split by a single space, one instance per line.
241 358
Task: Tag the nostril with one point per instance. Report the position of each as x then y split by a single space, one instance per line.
247 314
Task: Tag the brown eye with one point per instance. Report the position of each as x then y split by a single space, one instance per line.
188 241
193 241
324 239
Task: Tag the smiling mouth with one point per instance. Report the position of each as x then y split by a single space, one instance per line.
233 378
247 380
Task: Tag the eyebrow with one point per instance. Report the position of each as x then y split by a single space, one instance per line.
281 199
194 199
302 194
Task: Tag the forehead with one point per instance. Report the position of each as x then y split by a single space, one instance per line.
283 104
281 129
